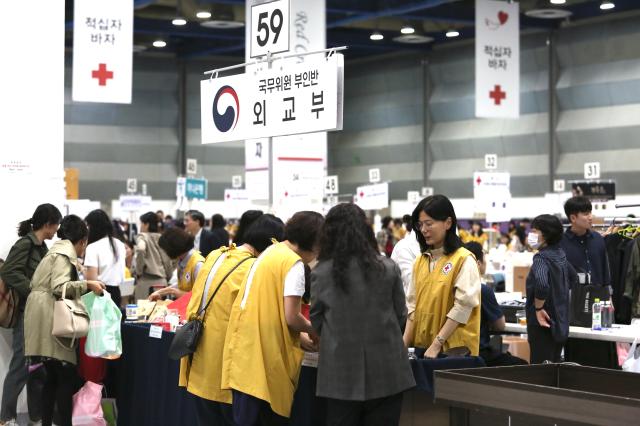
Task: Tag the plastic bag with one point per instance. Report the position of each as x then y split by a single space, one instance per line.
632 363
104 339
87 406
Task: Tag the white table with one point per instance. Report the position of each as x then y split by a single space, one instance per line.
619 332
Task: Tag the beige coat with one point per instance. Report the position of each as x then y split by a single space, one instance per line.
57 268
151 260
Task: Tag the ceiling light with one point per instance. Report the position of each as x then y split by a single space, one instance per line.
407 29
159 43
179 21
606 5
203 14
557 1
452 33
376 36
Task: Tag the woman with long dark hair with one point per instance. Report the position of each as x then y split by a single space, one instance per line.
105 255
444 296
358 309
153 266
22 261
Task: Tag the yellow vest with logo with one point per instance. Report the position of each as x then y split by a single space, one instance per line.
203 374
187 277
262 357
435 294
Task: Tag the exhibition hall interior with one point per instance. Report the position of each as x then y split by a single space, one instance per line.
320 212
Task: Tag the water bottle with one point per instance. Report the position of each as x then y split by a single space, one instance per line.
596 316
607 315
412 353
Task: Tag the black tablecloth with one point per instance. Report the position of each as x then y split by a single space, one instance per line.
148 392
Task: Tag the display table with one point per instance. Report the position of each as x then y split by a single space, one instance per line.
148 392
619 333
541 395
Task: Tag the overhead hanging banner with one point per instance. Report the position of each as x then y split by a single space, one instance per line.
302 98
492 195
102 51
497 59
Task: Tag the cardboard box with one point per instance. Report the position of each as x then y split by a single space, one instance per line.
520 278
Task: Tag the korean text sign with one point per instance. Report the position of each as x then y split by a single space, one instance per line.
301 98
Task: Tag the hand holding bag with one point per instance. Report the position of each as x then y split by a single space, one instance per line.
70 319
185 342
104 339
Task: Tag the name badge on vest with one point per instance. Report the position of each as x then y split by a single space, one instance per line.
187 276
447 268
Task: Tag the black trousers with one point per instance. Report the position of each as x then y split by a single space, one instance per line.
58 391
500 359
116 296
374 412
213 412
542 346
251 411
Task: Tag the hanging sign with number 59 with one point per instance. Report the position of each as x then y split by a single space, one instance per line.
269 28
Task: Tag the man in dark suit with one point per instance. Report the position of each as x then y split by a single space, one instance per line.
204 241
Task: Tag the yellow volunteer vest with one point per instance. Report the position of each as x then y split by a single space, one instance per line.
435 293
262 356
186 277
202 376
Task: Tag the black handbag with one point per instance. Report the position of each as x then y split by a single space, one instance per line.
583 296
186 340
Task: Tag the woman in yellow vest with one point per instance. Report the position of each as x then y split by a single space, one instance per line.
476 234
178 245
201 374
443 299
262 353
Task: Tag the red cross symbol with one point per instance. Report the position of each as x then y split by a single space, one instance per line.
228 195
497 94
102 74
361 194
286 194
478 181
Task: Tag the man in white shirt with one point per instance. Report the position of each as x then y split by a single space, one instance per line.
404 254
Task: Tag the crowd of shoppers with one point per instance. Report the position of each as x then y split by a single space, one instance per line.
249 289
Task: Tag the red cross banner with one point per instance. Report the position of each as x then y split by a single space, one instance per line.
497 59
102 51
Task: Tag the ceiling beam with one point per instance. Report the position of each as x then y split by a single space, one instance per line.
393 11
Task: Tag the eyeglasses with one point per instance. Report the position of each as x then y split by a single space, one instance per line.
424 224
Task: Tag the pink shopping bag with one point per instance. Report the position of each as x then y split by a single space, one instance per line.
87 408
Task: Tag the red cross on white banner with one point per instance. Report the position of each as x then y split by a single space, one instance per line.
102 74
497 94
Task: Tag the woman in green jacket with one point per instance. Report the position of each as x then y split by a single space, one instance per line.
58 269
24 257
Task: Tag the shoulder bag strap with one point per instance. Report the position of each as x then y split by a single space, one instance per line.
203 293
26 263
203 311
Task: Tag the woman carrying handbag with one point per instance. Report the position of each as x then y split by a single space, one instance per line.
57 275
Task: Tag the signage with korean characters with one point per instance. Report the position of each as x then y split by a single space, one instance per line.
301 98
594 190
270 28
372 197
135 203
102 51
196 189
497 59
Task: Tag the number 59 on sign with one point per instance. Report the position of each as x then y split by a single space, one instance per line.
269 28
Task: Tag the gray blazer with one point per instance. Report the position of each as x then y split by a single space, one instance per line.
362 355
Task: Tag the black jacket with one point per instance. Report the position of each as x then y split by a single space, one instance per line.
210 241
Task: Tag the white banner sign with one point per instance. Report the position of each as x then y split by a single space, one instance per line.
490 161
236 196
132 185
427 191
492 195
102 51
558 185
256 163
497 59
236 181
372 197
374 175
302 98
135 203
192 166
413 197
181 187
270 28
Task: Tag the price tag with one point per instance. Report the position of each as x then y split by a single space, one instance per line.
132 185
155 331
592 170
192 166
491 161
269 28
374 175
427 191
330 185
413 197
236 181
558 185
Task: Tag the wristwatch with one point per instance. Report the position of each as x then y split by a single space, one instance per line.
440 339
539 309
